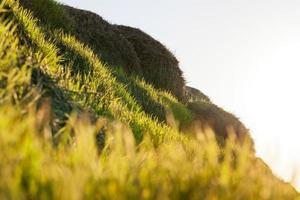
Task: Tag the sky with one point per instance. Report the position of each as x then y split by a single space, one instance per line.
244 54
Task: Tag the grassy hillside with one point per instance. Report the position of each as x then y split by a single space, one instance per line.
118 46
78 123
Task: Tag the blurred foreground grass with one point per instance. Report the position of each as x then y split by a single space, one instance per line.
31 167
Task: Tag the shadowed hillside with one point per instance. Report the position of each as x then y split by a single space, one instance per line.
138 54
121 46
113 48
83 118
193 94
159 65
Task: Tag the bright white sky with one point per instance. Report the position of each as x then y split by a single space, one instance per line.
244 54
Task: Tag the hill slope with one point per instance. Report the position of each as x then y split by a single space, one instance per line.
68 119
128 50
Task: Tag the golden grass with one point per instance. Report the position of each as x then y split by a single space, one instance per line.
32 168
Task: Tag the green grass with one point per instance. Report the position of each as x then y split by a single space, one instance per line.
50 13
71 128
197 169
97 89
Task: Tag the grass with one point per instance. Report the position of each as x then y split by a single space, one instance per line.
71 128
159 66
198 169
50 13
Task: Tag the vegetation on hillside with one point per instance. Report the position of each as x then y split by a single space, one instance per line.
159 66
73 127
118 46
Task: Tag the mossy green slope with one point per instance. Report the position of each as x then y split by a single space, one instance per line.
119 46
79 75
130 55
